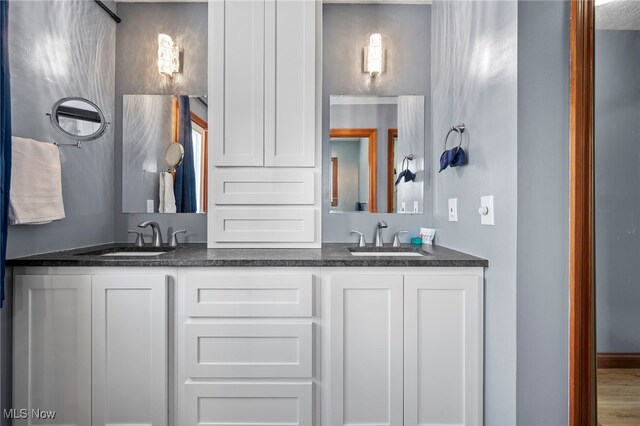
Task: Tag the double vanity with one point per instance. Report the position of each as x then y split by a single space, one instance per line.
271 322
193 335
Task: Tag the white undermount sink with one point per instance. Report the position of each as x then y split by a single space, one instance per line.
133 253
387 253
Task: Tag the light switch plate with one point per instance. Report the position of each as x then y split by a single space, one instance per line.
487 219
150 206
453 209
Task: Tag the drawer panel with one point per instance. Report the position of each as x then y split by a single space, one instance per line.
264 225
224 350
263 186
249 404
249 295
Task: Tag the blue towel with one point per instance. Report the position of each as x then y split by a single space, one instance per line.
453 157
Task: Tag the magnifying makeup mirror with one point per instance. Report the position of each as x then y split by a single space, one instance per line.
174 155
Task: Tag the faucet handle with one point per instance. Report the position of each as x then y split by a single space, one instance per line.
396 238
139 238
174 237
361 240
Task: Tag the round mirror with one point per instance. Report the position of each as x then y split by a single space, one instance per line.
174 155
78 119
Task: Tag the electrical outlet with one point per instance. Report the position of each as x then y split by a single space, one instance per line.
453 209
150 206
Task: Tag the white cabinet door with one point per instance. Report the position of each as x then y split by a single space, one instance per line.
249 403
366 349
129 350
443 350
52 347
237 79
290 83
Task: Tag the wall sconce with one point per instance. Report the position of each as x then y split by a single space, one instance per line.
168 56
374 56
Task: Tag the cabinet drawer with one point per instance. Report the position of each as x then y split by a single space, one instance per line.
249 404
263 225
249 295
263 186
249 350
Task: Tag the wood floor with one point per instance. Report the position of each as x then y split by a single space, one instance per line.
618 396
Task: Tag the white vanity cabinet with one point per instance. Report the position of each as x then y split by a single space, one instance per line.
92 345
402 348
246 346
263 77
250 345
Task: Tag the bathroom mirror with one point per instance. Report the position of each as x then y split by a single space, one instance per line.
78 119
164 152
376 154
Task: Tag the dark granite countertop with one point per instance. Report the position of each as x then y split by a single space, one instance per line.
197 255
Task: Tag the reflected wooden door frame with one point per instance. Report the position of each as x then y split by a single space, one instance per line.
582 384
371 134
391 161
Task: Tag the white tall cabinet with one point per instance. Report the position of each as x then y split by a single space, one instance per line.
264 184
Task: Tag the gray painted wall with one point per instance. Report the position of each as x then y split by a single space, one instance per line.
543 212
137 73
474 48
617 110
60 49
406 34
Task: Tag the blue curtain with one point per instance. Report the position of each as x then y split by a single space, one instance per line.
185 185
5 138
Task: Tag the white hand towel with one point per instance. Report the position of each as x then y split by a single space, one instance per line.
167 197
36 183
161 192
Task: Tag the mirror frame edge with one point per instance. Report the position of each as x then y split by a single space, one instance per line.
582 351
89 138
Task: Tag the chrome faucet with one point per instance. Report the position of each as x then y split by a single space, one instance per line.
156 240
381 225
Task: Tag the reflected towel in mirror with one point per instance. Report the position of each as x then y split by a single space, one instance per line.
167 197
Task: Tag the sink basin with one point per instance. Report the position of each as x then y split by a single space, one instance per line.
129 251
387 251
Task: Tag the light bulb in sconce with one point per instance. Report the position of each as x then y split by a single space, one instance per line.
374 55
168 56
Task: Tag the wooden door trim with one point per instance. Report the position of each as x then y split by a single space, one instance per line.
334 182
371 134
582 407
391 135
